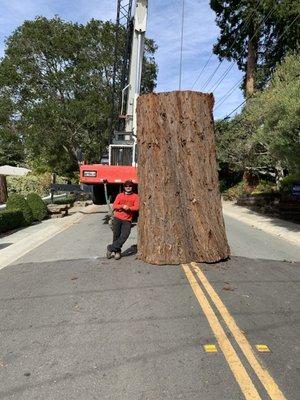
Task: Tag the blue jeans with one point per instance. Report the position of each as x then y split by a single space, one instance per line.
121 232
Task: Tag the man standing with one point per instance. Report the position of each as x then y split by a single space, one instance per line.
124 206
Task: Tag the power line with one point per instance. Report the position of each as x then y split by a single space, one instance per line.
227 116
212 75
228 94
181 45
223 77
202 70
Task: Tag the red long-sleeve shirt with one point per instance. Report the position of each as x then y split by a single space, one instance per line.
131 200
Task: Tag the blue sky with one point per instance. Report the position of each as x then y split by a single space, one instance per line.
164 26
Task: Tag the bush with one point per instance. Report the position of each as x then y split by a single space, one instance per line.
18 202
287 183
37 206
11 220
29 183
234 192
264 187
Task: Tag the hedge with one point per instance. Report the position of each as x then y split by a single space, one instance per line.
37 206
287 183
11 219
18 202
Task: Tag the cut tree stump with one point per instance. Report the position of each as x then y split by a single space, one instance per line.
180 218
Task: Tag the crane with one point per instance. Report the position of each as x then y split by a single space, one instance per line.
122 150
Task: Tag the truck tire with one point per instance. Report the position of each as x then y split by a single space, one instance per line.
98 197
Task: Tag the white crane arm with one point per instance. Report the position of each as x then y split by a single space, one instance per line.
136 62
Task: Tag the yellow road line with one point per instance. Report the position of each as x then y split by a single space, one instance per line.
268 382
235 364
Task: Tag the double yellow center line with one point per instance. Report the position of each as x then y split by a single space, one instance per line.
239 371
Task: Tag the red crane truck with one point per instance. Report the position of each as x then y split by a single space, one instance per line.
107 177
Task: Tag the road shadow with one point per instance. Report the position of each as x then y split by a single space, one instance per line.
132 250
277 221
88 213
4 245
8 233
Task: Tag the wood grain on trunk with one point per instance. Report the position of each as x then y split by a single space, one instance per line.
180 214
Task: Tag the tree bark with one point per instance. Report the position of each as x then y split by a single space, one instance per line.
3 189
250 180
251 65
279 173
180 213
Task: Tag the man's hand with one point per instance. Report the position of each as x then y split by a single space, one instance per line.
125 207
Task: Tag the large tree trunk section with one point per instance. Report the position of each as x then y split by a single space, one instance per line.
3 189
180 213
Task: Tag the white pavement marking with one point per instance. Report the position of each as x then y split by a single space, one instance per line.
274 226
24 246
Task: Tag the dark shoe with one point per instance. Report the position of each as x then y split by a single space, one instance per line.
117 256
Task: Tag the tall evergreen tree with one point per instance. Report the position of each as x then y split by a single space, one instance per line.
256 34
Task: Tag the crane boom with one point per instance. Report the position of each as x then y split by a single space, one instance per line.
122 150
137 53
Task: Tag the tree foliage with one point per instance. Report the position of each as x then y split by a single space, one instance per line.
11 143
266 135
275 113
56 78
270 26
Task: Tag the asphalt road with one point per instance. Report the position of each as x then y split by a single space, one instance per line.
77 326
247 241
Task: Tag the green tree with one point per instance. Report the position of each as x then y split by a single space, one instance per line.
58 76
275 116
256 34
234 147
265 137
11 143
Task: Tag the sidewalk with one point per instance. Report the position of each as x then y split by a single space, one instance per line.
284 229
17 244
